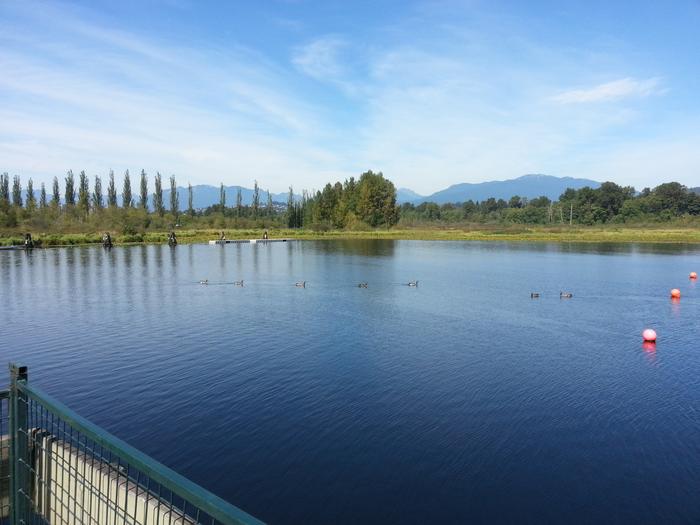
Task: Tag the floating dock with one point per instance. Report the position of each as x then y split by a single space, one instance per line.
247 241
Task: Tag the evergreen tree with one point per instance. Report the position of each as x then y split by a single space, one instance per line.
190 200
239 203
127 200
158 196
269 210
5 190
70 188
84 194
222 197
31 199
256 199
111 191
97 202
56 194
291 210
143 200
17 191
42 197
174 198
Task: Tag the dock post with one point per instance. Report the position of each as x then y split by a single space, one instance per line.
20 486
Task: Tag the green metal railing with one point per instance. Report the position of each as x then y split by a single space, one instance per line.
60 468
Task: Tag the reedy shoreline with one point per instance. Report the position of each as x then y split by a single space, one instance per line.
597 234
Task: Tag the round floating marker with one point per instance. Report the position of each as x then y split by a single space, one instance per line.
693 275
649 335
676 293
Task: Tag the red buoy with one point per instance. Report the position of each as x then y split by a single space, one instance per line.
676 293
649 335
693 275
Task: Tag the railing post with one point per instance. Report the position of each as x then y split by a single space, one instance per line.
19 451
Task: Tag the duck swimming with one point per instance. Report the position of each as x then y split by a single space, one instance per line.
238 283
534 295
204 281
565 295
362 285
300 284
413 283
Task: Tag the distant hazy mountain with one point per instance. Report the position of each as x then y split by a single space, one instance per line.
696 190
204 196
529 186
406 195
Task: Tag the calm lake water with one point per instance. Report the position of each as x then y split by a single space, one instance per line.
461 400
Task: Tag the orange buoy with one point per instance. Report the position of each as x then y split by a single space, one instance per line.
649 335
676 293
693 275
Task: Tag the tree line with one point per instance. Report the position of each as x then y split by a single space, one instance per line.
76 205
609 203
356 204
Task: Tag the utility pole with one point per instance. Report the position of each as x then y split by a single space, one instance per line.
571 214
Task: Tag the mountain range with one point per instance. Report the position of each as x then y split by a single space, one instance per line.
529 186
204 196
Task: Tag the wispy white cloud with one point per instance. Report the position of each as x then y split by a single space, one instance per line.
438 107
119 100
612 91
320 59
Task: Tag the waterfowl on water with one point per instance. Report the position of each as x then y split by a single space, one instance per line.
204 281
362 285
238 283
413 283
565 295
300 284
534 295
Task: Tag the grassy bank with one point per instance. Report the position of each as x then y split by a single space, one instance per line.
477 233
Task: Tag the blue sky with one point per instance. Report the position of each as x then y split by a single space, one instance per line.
299 93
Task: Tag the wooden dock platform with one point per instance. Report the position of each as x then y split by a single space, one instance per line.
247 241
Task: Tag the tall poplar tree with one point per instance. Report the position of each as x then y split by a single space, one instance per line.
111 191
5 190
17 191
56 194
256 199
143 200
127 200
42 197
158 196
269 208
291 209
174 198
190 200
70 189
84 194
97 201
31 199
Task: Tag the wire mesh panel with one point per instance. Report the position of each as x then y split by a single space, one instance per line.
4 458
68 471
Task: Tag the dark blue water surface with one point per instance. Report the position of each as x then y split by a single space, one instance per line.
462 400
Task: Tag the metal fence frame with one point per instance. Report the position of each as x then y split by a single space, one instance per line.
188 502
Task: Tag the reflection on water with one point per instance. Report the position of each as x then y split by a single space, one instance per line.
461 400
362 247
